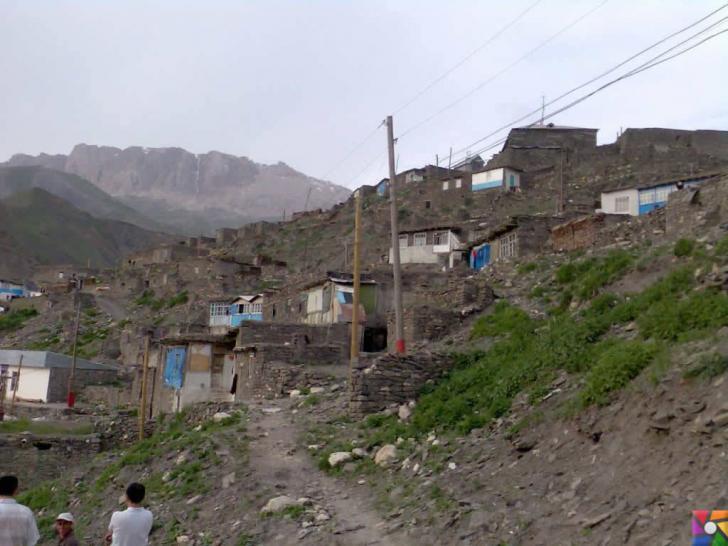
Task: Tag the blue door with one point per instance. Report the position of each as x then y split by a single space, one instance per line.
174 367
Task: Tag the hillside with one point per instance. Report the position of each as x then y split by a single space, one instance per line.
77 191
180 179
37 227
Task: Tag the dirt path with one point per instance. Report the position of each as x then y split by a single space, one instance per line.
277 461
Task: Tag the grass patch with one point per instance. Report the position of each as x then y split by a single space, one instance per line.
14 320
179 299
46 500
585 277
708 366
683 247
44 427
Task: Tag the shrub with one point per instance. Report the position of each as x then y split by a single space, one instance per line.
621 362
15 320
504 319
683 247
179 299
685 318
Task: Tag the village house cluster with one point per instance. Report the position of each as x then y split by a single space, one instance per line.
266 314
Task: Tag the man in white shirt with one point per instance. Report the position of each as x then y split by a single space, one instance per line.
132 526
17 523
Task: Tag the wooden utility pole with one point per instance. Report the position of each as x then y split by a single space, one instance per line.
143 401
70 395
396 268
562 196
15 387
355 338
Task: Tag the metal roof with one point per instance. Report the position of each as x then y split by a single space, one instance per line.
47 359
648 185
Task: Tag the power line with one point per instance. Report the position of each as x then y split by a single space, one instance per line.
502 71
351 152
469 56
434 82
653 63
574 89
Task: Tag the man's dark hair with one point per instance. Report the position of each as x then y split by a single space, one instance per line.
135 492
8 486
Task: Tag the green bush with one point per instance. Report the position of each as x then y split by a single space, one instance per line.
685 318
683 247
179 299
15 320
621 362
504 319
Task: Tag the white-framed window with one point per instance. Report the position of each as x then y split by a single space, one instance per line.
403 241
509 245
647 197
459 183
661 194
219 309
446 185
420 239
441 238
621 204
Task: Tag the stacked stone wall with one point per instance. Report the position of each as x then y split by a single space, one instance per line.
391 379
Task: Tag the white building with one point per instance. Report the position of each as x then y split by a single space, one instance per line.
42 376
439 245
505 178
639 200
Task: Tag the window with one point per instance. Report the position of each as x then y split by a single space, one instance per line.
428 204
509 245
662 193
459 183
219 309
420 239
621 204
445 185
441 238
403 241
647 197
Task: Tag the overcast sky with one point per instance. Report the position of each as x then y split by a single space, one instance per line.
305 81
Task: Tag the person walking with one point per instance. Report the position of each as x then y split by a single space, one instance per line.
64 528
17 523
131 527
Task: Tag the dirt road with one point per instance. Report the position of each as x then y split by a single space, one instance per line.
276 459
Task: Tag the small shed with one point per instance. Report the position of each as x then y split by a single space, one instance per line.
504 178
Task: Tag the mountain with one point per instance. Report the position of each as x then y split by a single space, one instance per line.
203 182
37 227
75 190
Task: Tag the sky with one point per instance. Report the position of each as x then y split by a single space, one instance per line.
309 82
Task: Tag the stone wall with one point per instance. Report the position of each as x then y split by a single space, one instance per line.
392 379
275 379
692 211
58 381
34 459
583 232
252 333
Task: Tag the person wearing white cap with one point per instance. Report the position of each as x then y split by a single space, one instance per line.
64 528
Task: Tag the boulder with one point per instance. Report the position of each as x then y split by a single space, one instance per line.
278 504
359 453
295 393
385 455
339 457
221 416
316 390
404 412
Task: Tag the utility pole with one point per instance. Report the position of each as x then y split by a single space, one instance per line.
396 268
143 401
543 108
15 386
355 338
562 199
70 395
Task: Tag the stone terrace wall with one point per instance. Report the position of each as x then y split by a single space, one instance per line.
254 332
36 458
392 379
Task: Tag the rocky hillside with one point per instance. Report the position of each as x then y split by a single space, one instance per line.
37 227
184 180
